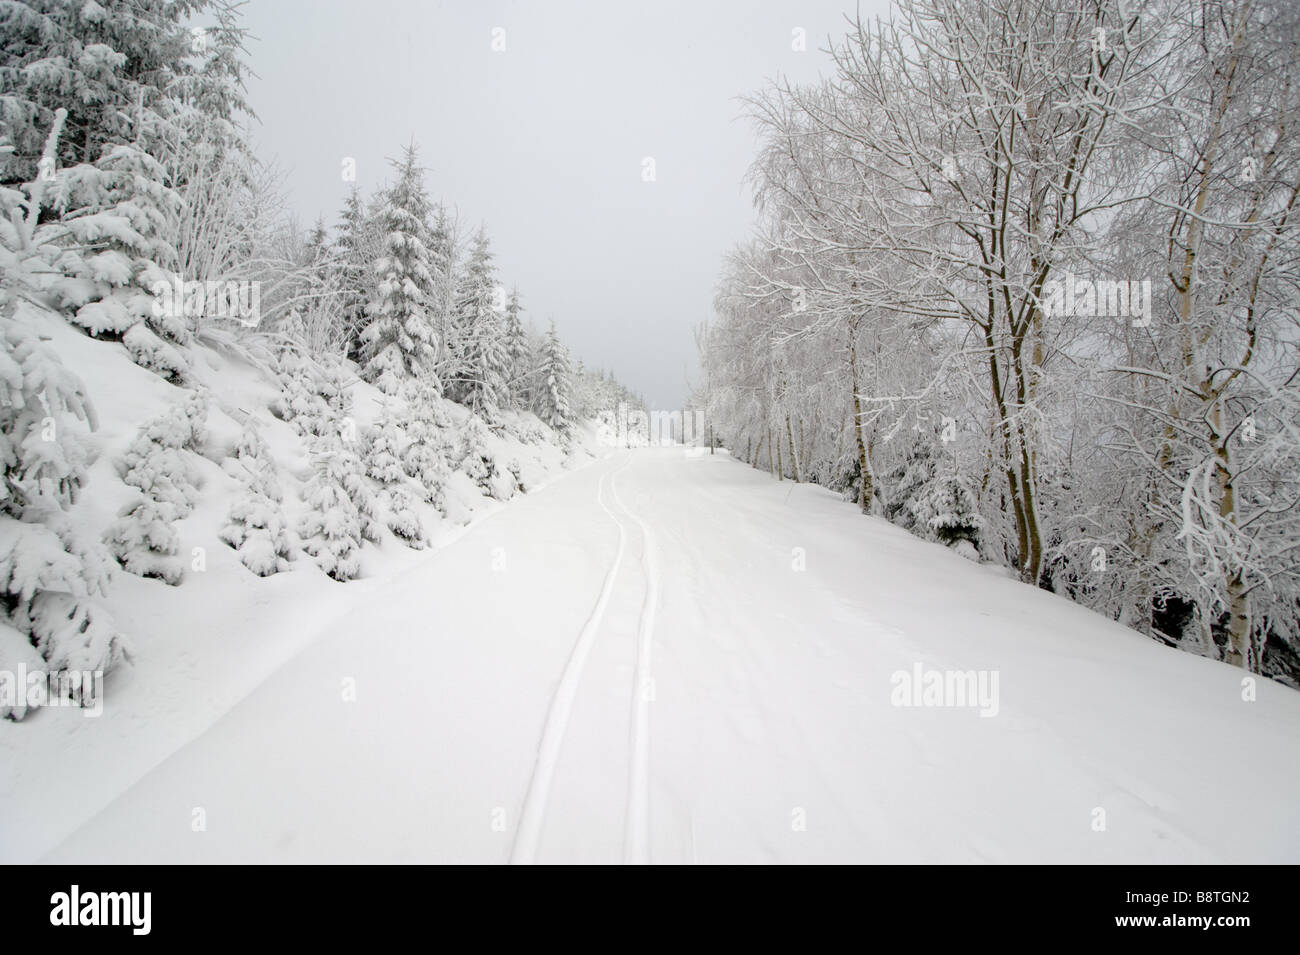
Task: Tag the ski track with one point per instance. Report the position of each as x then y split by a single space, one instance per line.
636 843
636 847
537 798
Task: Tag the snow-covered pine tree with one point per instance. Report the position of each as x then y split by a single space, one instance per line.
518 354
144 539
384 465
354 273
113 70
946 511
300 402
212 89
515 470
384 455
476 459
553 373
122 217
107 72
490 364
355 482
331 527
910 480
478 348
49 572
442 265
401 519
316 249
256 527
400 341
156 461
341 502
425 456
112 66
332 387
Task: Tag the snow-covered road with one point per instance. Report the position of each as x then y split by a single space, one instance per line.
670 657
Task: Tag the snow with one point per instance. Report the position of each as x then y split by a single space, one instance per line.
197 648
628 665
363 591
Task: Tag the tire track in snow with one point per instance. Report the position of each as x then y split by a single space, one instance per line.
636 845
533 815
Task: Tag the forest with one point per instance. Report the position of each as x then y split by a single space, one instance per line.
1025 284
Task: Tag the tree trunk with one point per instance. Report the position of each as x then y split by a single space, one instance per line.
794 456
1238 650
864 467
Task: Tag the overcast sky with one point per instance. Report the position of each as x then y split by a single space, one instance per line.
544 142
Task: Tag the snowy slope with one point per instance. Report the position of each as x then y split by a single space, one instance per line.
199 648
549 688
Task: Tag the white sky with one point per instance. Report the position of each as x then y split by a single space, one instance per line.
543 143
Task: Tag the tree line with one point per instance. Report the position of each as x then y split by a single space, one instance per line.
1025 283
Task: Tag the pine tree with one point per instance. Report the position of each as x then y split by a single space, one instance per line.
316 247
144 539
256 527
490 361
910 480
50 573
401 519
139 98
384 455
114 67
211 92
354 274
476 459
331 527
442 265
478 350
123 218
946 511
384 465
554 374
113 72
156 461
518 354
357 484
425 456
331 385
400 341
145 542
300 402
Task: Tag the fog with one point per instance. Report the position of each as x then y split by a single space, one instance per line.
537 121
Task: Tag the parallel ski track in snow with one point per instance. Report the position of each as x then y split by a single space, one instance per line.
636 845
533 815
